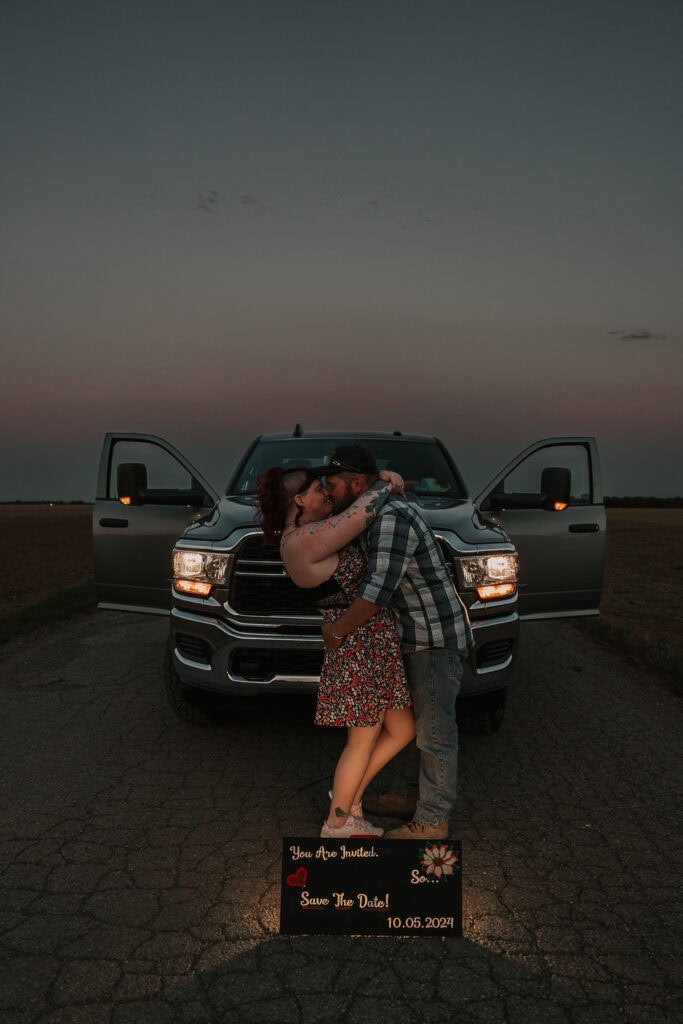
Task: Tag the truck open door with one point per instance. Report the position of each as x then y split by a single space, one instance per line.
147 493
549 501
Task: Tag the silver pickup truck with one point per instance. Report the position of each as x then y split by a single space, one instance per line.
531 545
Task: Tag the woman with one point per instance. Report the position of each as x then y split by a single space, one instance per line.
362 685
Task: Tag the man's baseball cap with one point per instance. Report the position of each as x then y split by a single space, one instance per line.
350 458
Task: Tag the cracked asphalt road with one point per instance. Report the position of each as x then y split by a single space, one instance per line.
140 857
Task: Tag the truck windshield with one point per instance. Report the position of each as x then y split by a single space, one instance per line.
422 464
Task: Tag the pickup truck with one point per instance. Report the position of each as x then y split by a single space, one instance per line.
530 545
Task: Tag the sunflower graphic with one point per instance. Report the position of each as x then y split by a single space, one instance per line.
439 860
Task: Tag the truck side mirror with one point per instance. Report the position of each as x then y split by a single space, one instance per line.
556 488
131 481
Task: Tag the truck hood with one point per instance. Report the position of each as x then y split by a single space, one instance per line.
460 522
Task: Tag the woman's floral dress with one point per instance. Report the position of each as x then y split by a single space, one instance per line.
365 676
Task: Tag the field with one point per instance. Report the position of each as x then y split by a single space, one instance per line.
46 549
643 589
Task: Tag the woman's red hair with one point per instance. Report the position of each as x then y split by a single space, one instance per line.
276 489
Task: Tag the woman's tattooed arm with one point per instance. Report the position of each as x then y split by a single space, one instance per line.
315 541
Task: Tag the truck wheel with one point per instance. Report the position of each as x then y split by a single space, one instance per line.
484 715
187 703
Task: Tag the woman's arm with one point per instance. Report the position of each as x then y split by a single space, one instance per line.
316 541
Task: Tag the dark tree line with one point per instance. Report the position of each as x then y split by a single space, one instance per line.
629 502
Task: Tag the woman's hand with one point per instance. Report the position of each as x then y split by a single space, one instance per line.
395 480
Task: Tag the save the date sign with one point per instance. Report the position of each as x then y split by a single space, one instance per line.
371 887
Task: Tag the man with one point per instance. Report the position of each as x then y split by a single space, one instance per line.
407 572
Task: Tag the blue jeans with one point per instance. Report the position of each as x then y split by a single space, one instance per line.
434 678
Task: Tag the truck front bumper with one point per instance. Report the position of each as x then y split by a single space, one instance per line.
212 653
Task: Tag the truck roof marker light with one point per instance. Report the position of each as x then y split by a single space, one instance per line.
494 592
193 587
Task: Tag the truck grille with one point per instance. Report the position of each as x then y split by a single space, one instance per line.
263 664
259 585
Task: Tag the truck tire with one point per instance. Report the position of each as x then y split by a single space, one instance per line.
187 703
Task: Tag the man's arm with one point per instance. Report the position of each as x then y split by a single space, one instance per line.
391 541
358 612
391 545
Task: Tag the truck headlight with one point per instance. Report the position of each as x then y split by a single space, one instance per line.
197 572
492 576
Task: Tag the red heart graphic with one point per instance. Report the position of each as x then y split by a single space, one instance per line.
298 879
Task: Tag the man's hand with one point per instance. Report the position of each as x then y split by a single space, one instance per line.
358 613
330 641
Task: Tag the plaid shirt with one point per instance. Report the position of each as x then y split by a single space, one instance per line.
407 571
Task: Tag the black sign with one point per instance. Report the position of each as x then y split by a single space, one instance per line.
371 887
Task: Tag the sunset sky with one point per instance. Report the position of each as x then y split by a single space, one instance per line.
223 217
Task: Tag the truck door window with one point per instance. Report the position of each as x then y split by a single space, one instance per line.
164 474
526 478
